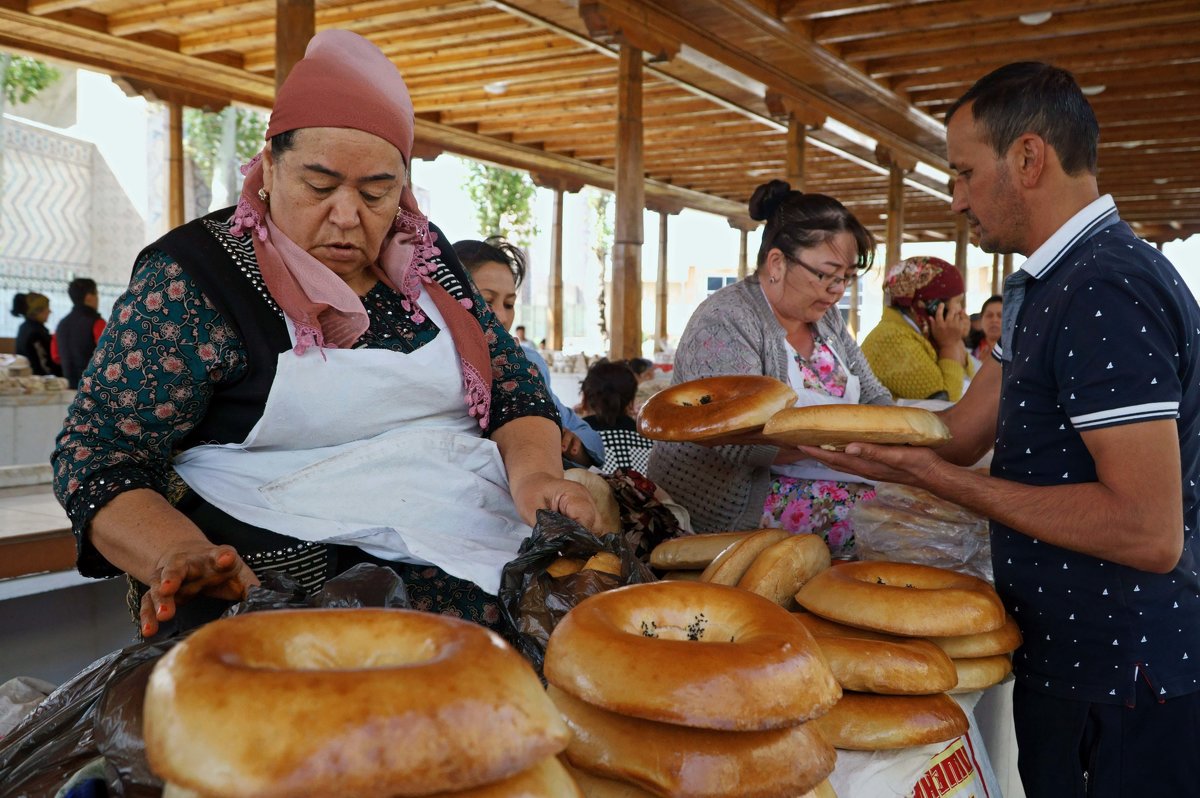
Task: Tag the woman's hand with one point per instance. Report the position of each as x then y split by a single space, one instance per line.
191 570
541 491
947 329
572 449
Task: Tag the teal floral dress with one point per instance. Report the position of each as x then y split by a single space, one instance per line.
820 507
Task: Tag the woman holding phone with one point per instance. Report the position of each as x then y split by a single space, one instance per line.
917 349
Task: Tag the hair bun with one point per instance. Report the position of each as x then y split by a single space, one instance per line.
767 198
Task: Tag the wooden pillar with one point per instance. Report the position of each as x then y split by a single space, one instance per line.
962 238
743 255
895 220
897 166
1158 245
554 338
175 195
852 322
796 144
661 286
626 333
996 281
1008 265
295 24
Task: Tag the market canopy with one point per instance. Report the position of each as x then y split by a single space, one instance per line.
845 96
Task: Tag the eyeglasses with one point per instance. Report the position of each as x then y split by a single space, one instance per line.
826 279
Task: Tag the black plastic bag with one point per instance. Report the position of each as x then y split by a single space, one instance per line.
533 602
98 712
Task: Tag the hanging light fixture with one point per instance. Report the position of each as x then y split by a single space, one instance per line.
1036 18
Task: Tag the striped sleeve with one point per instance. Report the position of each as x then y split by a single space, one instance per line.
1117 359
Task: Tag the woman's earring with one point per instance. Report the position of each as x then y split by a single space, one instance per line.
263 195
399 210
774 279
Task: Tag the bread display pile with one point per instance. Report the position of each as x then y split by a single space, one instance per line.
769 562
691 689
357 703
899 638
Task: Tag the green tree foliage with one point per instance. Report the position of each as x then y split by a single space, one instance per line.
502 202
202 136
25 77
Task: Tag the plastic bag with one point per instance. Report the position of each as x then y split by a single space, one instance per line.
533 602
98 712
906 524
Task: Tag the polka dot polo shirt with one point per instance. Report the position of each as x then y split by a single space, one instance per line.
1107 333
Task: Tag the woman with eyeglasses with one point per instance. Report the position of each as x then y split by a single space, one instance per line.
917 349
782 321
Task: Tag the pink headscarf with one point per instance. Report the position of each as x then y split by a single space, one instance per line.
344 81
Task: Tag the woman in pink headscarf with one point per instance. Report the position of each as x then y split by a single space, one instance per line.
310 380
917 349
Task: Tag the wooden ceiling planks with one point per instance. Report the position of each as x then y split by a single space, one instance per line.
886 69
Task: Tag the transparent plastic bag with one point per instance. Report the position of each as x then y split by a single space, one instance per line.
906 524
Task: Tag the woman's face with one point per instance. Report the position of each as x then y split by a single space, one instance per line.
801 286
991 319
335 194
499 289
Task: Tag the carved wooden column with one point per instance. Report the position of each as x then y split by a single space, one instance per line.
743 226
996 282
799 118
662 285
175 193
626 333
898 166
962 238
1008 265
554 312
295 24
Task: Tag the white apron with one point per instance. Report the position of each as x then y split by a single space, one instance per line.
371 448
807 397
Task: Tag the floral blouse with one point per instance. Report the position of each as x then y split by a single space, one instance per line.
167 349
822 372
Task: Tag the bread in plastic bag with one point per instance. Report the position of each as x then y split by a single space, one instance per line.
907 524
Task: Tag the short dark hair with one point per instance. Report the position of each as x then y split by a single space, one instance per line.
994 298
640 365
798 221
1032 97
493 249
80 289
608 389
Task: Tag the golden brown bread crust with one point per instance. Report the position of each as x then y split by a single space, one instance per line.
605 562
608 512
980 673
836 425
699 763
870 662
1004 640
784 567
864 722
690 653
732 564
594 786
688 552
903 599
713 407
321 698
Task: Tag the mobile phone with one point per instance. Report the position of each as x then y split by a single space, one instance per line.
931 307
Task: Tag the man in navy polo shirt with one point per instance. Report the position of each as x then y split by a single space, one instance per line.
1092 402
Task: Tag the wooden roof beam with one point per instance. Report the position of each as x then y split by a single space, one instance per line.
1089 51
41 8
934 16
152 16
71 43
1122 20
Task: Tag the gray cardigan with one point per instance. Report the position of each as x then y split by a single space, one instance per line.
735 332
